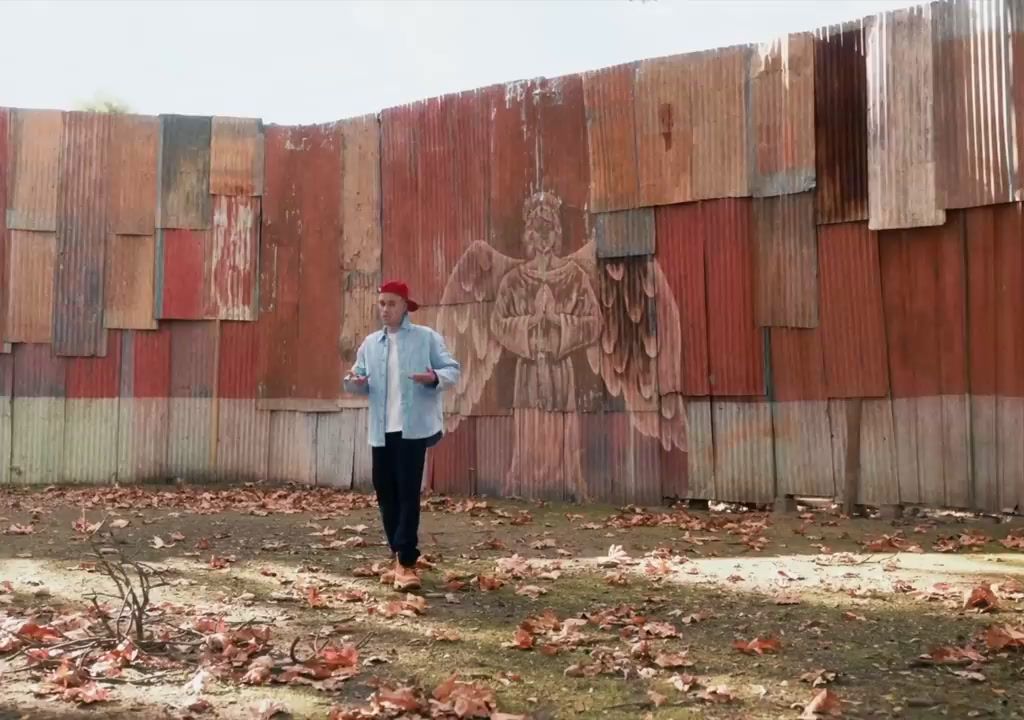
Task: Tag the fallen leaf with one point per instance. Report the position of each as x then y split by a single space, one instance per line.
444 635
489 583
16 529
177 536
1000 637
981 599
657 698
119 523
818 678
266 710
718 695
531 591
87 694
973 676
259 671
158 543
684 683
949 655
403 698
853 616
824 703
758 646
673 660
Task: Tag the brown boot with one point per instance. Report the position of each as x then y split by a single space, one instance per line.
406 578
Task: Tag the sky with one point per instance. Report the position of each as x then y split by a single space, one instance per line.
317 60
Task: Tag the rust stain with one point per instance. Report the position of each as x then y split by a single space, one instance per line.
235 249
611 131
33 257
236 156
664 130
134 157
786 266
32 169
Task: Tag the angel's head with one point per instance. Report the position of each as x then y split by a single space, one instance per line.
542 233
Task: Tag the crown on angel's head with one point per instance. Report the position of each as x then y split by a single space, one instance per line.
542 205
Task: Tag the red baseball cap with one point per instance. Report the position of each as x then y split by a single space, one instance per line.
396 287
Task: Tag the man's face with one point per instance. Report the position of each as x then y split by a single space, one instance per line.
542 236
391 308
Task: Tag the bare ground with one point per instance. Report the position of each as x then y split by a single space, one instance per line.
825 598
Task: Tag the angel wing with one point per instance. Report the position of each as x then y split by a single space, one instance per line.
464 322
637 354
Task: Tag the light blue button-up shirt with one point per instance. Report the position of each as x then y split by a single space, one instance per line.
419 348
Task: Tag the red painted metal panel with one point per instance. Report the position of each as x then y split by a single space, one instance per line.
451 464
400 188
611 133
681 234
798 366
786 264
82 200
6 406
924 291
361 231
626 233
562 153
665 129
134 158
620 465
32 169
852 320
38 373
236 156
360 319
193 359
1009 277
515 132
902 182
493 454
32 258
183 274
300 275
238 361
841 109
129 282
235 254
976 152
146 364
545 456
782 116
96 377
721 100
735 342
184 194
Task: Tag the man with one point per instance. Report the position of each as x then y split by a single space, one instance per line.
404 368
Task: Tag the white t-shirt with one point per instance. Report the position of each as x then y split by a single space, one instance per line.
394 411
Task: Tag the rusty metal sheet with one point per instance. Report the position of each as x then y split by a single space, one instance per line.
360 195
236 156
933 450
243 440
782 116
786 263
735 342
335 448
183 274
38 389
665 116
6 415
803 448
515 133
546 463
852 320
975 136
985 452
234 261
362 463
627 233
134 156
620 465
4 250
31 262
32 169
682 233
879 484
300 272
451 464
675 474
563 152
238 361
720 116
840 123
184 191
194 368
359 320
902 184
924 294
798 365
143 405
744 461
129 283
400 220
91 415
700 453
608 96
292 447
82 204
493 454
1010 420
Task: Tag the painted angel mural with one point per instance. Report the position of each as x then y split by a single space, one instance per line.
545 310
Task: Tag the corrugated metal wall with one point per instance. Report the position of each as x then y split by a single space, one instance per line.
669 278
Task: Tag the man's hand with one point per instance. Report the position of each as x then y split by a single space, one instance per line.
357 379
428 377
